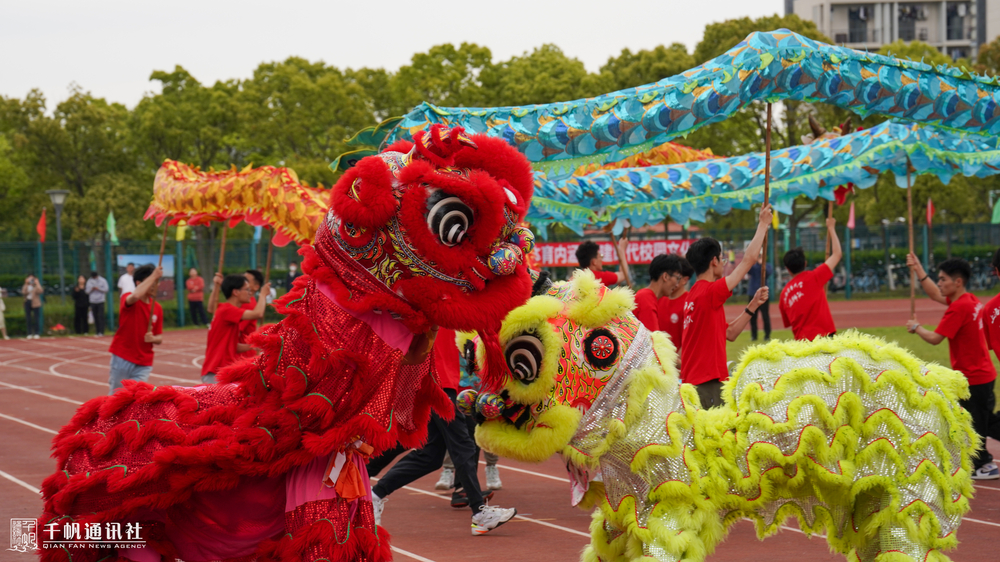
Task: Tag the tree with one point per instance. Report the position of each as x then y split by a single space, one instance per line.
186 122
629 70
19 204
445 75
543 76
916 51
298 114
988 61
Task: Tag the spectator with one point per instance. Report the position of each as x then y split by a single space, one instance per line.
132 346
32 293
195 288
802 302
963 326
664 273
588 254
3 323
81 305
703 343
670 310
225 338
293 274
97 289
126 284
753 283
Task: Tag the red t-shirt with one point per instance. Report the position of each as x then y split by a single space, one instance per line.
223 335
703 343
670 314
991 324
195 288
609 278
645 309
962 324
446 359
129 342
803 304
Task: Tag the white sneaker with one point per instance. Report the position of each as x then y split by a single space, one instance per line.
493 478
988 471
490 517
378 504
447 479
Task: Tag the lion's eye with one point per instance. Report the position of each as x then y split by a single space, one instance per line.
448 217
524 357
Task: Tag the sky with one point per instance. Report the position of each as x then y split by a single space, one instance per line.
110 47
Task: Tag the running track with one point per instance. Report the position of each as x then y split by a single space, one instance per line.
43 381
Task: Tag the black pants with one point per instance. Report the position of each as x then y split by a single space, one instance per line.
442 436
710 393
198 313
765 312
80 320
31 318
98 309
981 404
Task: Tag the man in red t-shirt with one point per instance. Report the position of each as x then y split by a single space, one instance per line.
195 287
664 274
589 255
132 347
224 346
703 343
803 303
670 309
962 324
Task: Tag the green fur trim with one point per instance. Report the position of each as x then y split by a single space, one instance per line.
595 305
555 427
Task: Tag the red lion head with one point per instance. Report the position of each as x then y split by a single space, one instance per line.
428 231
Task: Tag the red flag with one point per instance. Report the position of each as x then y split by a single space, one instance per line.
930 211
841 193
41 227
850 217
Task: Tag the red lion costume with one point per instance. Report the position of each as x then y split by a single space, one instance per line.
269 464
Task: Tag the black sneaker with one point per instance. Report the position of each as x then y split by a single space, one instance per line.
460 499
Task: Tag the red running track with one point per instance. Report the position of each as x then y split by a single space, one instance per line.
43 381
864 313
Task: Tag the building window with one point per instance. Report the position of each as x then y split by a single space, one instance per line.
907 18
956 21
857 24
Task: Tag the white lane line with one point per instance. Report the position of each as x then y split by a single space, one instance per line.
539 474
987 488
28 423
787 528
96 365
20 482
106 353
410 554
521 517
980 521
198 361
45 394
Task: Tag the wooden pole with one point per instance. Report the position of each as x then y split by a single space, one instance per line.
267 266
829 242
622 261
909 222
152 298
222 258
767 192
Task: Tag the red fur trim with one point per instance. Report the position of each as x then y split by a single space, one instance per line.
375 203
441 152
403 146
503 162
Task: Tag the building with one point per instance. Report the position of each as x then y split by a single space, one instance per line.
955 28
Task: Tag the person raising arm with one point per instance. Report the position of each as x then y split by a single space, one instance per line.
753 249
740 322
142 293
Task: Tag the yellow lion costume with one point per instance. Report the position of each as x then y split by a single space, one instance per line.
853 436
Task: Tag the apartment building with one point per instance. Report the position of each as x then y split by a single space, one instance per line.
955 28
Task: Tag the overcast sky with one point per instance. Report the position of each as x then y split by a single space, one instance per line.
110 47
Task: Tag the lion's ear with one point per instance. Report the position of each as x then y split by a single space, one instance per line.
363 196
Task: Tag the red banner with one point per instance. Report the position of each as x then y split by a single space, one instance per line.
563 254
